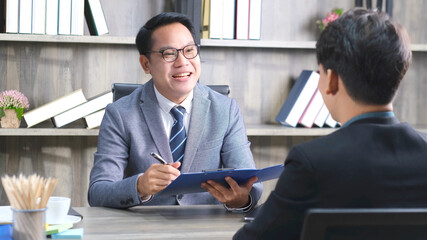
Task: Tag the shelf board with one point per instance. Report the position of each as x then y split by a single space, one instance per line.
67 39
252 130
278 44
258 44
54 132
259 130
277 130
105 39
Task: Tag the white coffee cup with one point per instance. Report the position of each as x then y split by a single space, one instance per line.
57 209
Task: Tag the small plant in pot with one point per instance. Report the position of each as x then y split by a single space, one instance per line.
12 105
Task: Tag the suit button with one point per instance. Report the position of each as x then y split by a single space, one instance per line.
129 201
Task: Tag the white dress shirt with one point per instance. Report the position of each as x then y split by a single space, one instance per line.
166 105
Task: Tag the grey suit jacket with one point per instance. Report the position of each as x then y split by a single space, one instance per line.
131 129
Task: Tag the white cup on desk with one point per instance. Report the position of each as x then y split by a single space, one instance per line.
57 209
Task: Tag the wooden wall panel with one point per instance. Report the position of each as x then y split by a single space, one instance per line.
260 87
67 158
124 18
260 79
411 15
411 101
288 20
47 71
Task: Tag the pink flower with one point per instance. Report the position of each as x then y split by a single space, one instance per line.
330 17
12 99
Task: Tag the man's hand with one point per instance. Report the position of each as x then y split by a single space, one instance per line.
234 197
157 177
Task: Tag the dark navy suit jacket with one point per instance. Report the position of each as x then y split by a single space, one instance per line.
373 162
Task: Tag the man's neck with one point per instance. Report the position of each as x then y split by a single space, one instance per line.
357 109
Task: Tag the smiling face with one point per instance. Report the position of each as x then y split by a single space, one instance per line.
174 80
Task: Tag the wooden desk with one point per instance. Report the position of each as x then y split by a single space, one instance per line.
159 222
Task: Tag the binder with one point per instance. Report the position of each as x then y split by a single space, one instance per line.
95 17
190 182
242 19
77 17
52 13
25 13
90 106
12 16
64 17
255 19
39 17
54 108
298 98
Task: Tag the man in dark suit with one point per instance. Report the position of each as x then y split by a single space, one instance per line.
191 126
373 160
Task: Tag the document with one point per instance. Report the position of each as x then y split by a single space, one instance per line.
190 182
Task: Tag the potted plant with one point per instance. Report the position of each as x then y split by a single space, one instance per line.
330 16
12 105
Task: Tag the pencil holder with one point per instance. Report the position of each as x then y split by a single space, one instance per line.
29 224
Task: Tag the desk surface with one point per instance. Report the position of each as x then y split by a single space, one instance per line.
159 222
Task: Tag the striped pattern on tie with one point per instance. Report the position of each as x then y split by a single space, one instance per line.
178 137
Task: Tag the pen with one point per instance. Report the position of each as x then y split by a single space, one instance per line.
160 159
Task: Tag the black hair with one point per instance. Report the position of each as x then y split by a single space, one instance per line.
370 53
143 40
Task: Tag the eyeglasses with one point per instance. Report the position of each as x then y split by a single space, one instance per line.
171 54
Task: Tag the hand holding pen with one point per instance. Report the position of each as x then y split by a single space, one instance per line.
157 176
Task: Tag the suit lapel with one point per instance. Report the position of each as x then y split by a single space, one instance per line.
199 116
151 111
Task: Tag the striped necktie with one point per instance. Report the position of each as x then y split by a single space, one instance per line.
178 137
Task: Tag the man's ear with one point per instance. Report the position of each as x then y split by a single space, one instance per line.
145 63
332 79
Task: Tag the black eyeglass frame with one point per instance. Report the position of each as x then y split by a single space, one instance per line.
177 52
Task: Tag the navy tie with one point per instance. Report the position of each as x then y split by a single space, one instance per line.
178 137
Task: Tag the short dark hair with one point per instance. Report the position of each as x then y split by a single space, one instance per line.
143 40
370 52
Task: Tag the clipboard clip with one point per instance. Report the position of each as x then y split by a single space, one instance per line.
217 169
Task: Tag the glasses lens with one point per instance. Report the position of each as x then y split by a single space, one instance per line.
170 54
190 51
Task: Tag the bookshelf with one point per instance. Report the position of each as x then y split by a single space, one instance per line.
48 132
67 39
203 42
251 130
261 130
259 72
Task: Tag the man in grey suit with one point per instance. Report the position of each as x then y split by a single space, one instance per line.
373 161
209 127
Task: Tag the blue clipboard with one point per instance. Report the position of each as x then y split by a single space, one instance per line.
190 182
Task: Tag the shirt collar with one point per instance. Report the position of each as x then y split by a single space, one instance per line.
166 104
369 115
